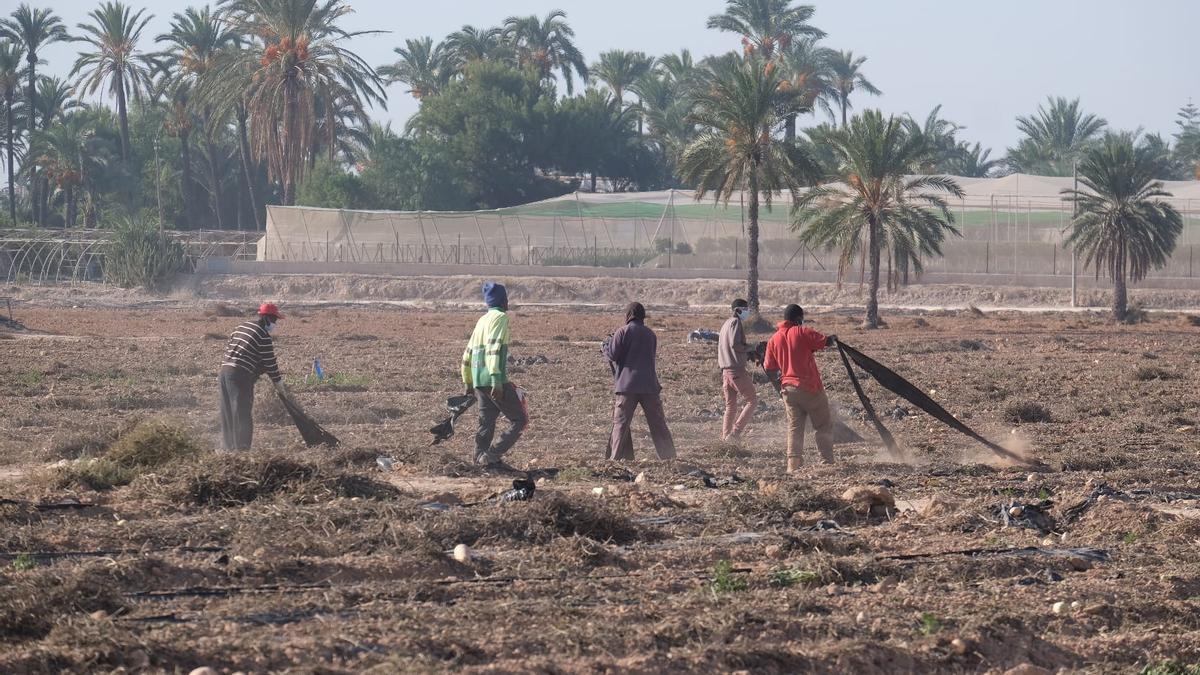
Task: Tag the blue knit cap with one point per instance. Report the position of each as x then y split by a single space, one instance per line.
494 294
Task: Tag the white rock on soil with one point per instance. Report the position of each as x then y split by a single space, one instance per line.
1016 512
203 670
641 478
960 646
462 553
1059 607
598 491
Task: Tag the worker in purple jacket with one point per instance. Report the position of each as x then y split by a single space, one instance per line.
632 350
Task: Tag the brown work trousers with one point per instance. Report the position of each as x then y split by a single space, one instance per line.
620 445
803 406
733 383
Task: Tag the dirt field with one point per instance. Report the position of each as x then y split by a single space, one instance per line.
309 561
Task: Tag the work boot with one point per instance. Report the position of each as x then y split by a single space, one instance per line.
494 465
794 462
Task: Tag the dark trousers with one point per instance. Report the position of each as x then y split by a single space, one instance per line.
490 410
237 406
620 444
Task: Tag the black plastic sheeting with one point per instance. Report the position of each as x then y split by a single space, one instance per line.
312 432
904 389
457 405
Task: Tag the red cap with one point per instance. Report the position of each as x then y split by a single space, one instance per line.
269 309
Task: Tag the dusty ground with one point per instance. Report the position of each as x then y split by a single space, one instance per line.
309 561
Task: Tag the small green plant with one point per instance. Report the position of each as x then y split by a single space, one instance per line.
782 578
1044 494
930 624
725 580
30 379
23 562
1170 667
1130 537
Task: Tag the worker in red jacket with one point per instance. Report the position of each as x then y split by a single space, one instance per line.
790 353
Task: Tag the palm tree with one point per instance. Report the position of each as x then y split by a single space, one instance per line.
296 60
807 72
425 68
847 77
33 29
11 59
1055 137
618 69
196 39
55 99
876 200
767 27
114 57
739 108
937 135
67 155
679 68
1123 225
971 161
470 44
547 45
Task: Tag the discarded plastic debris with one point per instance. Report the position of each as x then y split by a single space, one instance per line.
522 490
703 335
385 463
1030 516
318 371
712 481
825 526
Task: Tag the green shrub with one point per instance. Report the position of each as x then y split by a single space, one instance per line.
725 580
140 255
782 578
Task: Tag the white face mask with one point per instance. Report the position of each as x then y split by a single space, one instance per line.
743 313
270 327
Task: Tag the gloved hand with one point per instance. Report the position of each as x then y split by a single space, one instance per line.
830 340
280 388
498 392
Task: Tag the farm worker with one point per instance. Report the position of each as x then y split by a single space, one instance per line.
732 355
485 373
790 353
632 351
250 353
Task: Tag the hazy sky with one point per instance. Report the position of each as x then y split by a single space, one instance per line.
985 61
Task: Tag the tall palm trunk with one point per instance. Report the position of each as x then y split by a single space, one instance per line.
244 151
12 194
123 116
752 244
214 180
844 102
287 160
872 320
789 128
69 200
31 109
185 187
1120 288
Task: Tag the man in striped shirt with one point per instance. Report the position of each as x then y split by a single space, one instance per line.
485 374
250 353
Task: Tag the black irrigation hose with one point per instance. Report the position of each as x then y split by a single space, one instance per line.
50 555
904 389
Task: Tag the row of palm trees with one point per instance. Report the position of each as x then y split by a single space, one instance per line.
859 188
276 79
275 75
